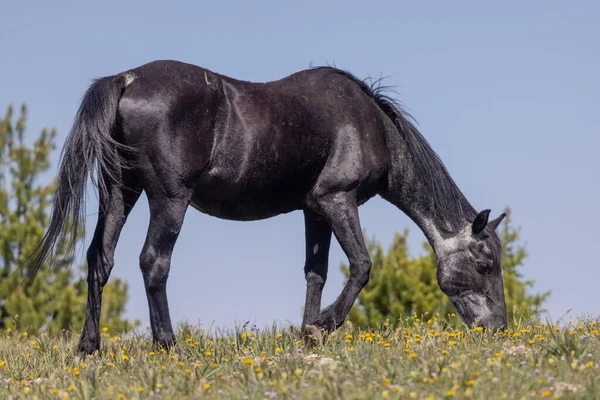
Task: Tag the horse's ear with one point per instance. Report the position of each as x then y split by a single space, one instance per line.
495 222
480 222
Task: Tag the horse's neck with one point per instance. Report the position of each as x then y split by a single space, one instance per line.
407 191
435 229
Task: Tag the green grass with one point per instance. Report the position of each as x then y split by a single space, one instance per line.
417 360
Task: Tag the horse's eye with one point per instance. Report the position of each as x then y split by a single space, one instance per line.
484 268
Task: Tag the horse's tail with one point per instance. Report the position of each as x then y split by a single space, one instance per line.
90 146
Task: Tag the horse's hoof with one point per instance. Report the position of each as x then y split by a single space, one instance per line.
88 347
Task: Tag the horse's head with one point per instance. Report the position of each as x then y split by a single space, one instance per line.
469 272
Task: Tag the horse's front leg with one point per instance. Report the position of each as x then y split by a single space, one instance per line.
341 212
318 239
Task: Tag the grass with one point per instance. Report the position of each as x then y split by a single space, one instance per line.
415 360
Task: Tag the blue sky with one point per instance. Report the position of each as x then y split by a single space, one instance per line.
506 93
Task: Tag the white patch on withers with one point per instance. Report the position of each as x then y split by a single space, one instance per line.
129 78
316 248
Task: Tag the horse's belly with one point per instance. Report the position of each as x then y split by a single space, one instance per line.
238 210
244 201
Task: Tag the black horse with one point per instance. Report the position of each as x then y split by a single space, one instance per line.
320 140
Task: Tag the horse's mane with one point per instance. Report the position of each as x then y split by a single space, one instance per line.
448 203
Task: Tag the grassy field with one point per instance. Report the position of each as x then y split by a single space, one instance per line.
416 360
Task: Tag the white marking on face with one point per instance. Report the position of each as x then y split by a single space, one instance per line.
316 248
206 78
129 78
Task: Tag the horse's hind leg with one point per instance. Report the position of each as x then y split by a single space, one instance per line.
166 218
100 256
